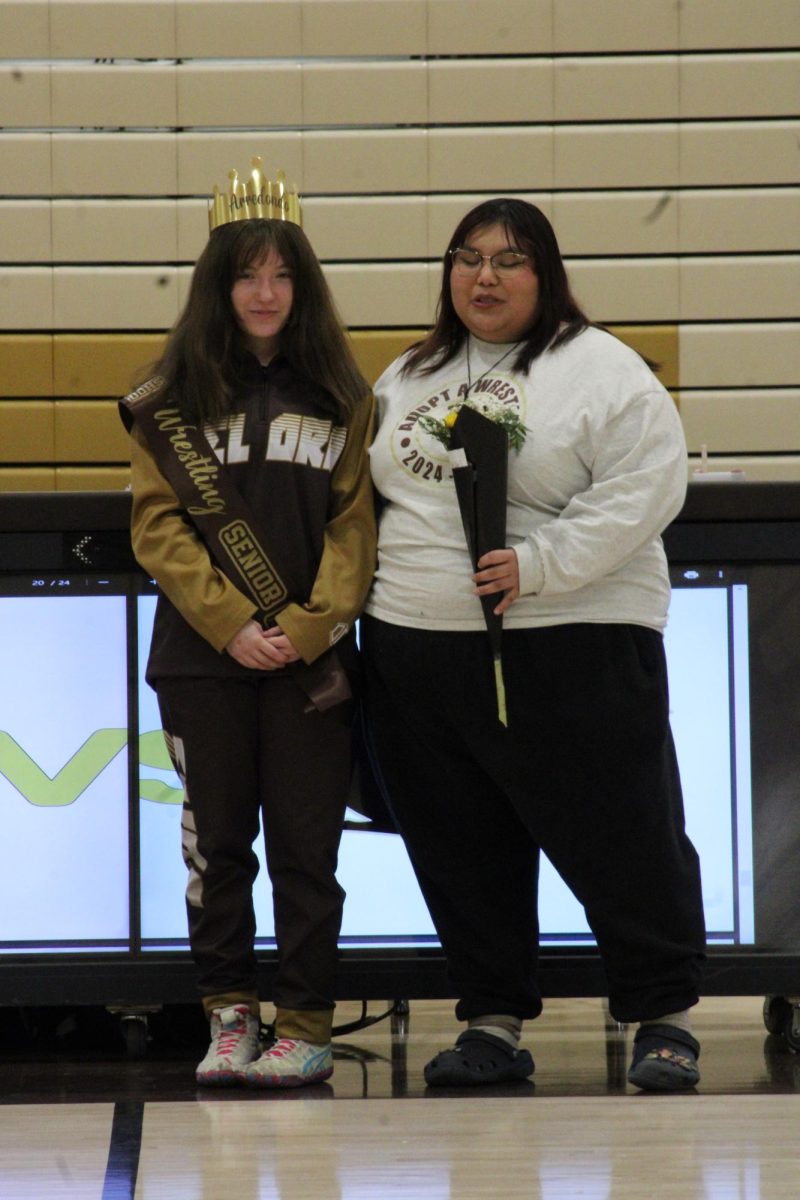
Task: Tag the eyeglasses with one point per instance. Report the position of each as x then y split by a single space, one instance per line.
469 262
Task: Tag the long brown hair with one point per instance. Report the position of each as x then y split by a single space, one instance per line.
529 230
202 362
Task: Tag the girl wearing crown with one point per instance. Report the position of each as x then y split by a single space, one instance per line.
253 511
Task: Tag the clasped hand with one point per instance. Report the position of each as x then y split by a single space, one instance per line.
498 571
261 649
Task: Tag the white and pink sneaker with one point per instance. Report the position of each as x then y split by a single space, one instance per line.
290 1062
234 1045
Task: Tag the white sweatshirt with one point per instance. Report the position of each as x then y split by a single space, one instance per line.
601 473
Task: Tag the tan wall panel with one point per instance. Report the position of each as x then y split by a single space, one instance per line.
114 164
740 288
632 290
27 479
616 222
658 344
376 349
434 276
26 431
596 26
192 229
616 89
92 479
112 28
26 28
367 228
25 164
750 421
445 213
26 364
102 364
242 94
376 27
364 93
111 364
473 92
740 355
89 431
363 294
738 152
25 231
184 275
114 297
617 156
206 158
511 159
737 24
778 467
475 27
740 85
728 219
114 231
393 160
238 28
26 298
120 94
25 94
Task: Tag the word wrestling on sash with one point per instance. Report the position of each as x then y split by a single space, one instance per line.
202 470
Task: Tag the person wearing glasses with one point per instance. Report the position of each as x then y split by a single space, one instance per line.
585 769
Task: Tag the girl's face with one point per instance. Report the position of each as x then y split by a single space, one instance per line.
262 296
497 305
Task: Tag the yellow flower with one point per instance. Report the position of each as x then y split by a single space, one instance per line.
450 419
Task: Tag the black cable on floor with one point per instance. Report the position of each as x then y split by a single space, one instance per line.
364 1021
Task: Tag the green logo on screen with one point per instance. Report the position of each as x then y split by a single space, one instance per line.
85 765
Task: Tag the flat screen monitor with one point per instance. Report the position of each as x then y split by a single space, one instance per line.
90 865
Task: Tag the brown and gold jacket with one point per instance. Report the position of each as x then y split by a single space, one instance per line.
306 479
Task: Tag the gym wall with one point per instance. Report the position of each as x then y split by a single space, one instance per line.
660 138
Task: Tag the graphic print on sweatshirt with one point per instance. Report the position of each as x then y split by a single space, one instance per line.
307 441
419 452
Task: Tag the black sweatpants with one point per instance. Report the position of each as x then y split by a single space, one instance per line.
586 771
244 747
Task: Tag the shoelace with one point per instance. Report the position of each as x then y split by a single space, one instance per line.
228 1039
282 1047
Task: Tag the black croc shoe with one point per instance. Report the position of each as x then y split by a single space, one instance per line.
478 1058
664 1059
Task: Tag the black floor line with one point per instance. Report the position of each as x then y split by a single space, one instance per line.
123 1152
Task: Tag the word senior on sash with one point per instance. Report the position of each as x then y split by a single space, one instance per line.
252 563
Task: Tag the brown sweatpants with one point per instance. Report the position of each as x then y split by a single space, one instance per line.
244 748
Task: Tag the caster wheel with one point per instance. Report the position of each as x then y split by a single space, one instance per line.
776 1012
134 1031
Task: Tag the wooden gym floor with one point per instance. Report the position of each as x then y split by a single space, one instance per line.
83 1120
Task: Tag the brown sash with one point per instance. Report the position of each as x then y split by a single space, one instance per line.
227 526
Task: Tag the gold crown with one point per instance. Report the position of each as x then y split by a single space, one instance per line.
255 196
